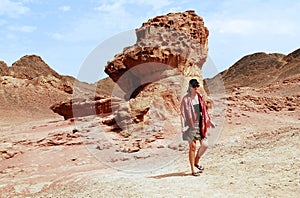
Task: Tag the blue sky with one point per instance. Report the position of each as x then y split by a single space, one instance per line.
66 32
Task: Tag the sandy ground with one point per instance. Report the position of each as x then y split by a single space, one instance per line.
256 155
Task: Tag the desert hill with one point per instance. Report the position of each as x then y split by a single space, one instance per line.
260 70
29 87
28 67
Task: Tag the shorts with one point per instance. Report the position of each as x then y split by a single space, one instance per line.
192 134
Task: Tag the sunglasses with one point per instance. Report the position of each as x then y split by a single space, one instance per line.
195 85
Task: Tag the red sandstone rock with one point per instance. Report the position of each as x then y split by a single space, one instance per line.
150 72
173 41
81 107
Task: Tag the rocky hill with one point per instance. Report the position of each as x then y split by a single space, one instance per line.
260 83
28 67
259 70
29 87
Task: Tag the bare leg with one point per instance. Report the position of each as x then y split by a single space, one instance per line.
201 150
192 151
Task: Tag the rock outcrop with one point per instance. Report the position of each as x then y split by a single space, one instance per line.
7 150
80 107
174 41
88 100
3 68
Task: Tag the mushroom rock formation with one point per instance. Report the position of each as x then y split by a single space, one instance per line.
174 41
152 73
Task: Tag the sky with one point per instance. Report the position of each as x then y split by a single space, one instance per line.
72 35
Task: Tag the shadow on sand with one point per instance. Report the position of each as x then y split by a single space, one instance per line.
180 174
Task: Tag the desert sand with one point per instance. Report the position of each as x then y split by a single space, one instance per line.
255 153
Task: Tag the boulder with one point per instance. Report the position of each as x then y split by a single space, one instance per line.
80 107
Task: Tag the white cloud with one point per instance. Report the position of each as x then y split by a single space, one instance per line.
28 1
24 28
278 27
57 36
233 26
110 7
122 15
157 5
64 8
12 9
253 27
254 18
